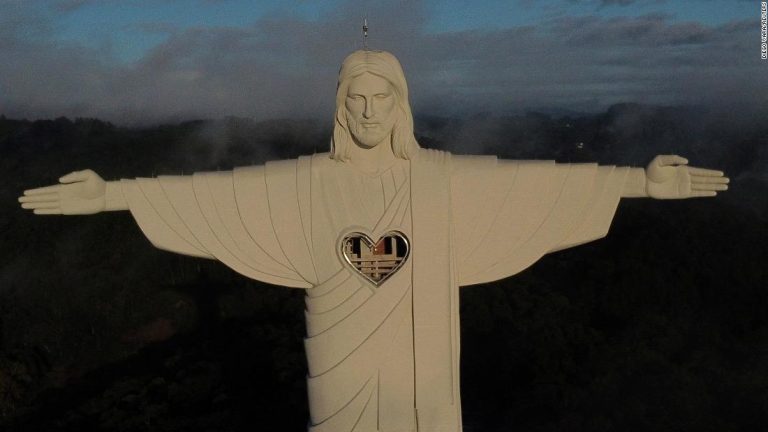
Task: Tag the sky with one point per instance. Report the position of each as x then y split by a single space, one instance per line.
140 61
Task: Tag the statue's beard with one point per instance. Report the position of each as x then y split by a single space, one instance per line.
368 134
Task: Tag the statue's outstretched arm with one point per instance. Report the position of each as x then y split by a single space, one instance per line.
78 193
670 177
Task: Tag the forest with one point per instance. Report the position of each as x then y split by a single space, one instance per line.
660 326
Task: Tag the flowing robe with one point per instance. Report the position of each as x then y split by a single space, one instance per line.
380 357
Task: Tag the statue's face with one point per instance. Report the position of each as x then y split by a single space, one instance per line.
370 107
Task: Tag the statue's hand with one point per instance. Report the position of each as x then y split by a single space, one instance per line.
80 192
668 177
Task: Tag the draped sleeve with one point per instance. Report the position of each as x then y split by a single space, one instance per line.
508 214
236 217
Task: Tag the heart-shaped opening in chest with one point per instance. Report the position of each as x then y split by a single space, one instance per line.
376 261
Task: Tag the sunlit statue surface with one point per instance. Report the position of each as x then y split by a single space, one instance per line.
381 234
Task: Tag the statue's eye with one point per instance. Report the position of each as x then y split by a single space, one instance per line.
355 97
382 95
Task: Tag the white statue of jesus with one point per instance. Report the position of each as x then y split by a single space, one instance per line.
381 234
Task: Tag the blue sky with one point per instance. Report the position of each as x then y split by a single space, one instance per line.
145 61
122 24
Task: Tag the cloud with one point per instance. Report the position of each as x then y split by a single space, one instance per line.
284 66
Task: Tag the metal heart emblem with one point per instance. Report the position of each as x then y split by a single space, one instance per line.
375 261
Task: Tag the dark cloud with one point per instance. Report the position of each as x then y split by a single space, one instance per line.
67 6
603 3
618 2
70 5
283 66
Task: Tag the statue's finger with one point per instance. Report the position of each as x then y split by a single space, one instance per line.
679 160
708 187
41 205
74 176
665 160
52 211
710 179
705 172
42 190
39 198
703 193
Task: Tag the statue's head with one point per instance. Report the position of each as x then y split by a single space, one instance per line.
372 106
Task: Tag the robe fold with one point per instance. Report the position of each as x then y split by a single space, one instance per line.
386 357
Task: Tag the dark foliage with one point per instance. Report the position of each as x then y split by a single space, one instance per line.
660 326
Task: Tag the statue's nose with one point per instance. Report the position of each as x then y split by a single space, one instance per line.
368 112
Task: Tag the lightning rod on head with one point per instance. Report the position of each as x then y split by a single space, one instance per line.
365 33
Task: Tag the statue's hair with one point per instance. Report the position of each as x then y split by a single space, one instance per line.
384 65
